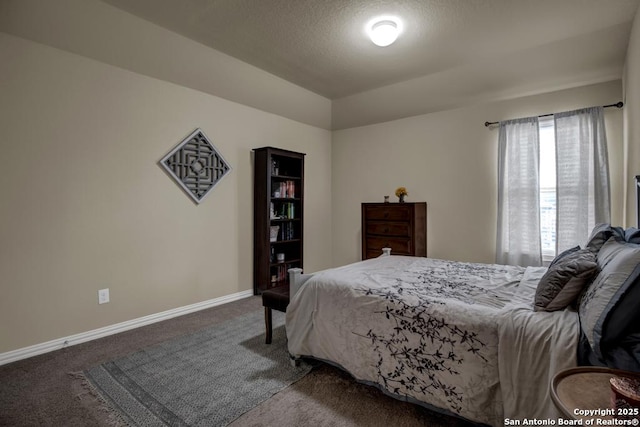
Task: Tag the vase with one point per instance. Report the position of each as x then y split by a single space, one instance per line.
401 198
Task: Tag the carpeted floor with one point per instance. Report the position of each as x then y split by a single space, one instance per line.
41 391
209 377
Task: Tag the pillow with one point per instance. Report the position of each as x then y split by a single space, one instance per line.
632 235
604 311
564 254
600 234
565 279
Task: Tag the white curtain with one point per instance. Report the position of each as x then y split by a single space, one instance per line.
518 239
583 198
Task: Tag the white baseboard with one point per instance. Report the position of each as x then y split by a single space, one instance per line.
34 350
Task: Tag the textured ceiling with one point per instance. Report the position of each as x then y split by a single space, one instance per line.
321 45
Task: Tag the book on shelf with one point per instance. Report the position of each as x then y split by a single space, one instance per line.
285 190
288 211
287 231
281 273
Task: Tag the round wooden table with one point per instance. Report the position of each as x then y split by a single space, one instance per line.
578 391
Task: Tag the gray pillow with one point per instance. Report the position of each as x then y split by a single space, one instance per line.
565 279
600 234
632 235
604 311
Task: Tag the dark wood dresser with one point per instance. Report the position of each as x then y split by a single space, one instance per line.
399 226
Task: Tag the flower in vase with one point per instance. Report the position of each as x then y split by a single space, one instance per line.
401 192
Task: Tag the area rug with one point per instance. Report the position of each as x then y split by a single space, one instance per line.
208 378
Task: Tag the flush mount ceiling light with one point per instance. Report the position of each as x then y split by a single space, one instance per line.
384 30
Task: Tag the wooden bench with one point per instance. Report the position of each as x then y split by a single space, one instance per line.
274 299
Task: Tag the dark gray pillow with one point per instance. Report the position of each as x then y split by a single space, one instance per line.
605 309
565 279
564 254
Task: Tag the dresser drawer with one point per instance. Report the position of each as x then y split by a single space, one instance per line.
388 229
398 245
399 226
394 212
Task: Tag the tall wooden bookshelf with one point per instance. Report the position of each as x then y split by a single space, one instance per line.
278 216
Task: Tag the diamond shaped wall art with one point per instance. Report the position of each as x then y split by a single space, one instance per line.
196 165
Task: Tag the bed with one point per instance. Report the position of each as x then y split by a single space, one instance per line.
478 341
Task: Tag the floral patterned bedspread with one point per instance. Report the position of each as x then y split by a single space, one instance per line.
430 331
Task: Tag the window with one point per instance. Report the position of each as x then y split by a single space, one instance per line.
553 184
547 187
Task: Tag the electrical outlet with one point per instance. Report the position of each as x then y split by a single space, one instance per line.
103 296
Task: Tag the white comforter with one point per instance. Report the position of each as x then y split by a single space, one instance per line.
458 336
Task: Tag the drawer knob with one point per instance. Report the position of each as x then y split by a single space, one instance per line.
386 230
386 214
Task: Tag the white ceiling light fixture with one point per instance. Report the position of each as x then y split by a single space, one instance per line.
384 30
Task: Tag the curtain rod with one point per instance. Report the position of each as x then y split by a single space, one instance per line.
617 104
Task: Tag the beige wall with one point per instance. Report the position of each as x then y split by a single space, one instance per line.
85 205
97 30
449 160
632 121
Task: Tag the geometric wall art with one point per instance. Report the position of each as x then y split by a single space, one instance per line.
196 165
